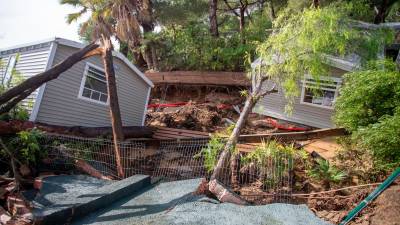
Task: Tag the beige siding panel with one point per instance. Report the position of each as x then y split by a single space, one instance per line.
61 106
274 105
30 63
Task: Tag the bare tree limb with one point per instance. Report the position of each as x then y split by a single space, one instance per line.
36 81
17 176
11 104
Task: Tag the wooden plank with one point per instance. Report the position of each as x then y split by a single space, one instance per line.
180 134
294 136
198 77
182 131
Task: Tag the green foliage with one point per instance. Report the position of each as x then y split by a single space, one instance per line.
382 139
19 112
394 13
267 150
193 48
26 147
83 150
214 148
302 41
272 153
212 151
368 95
167 11
327 173
369 107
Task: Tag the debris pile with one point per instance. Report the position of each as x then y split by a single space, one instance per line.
14 208
201 117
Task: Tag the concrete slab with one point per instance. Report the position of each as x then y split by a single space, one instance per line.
64 198
173 203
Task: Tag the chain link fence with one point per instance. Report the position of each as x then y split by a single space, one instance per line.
270 179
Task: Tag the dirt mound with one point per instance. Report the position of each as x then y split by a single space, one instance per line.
201 117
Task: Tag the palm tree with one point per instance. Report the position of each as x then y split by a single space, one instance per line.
108 18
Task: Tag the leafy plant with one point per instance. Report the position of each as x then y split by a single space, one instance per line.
274 160
382 139
19 112
303 39
26 146
214 148
191 47
368 94
369 107
327 173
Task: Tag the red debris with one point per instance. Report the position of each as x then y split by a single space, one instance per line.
37 184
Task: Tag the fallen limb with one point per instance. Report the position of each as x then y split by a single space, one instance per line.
14 168
129 131
16 126
82 165
85 167
294 136
14 95
224 194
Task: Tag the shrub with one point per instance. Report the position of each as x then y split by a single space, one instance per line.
327 173
274 160
214 148
368 95
26 147
369 107
382 139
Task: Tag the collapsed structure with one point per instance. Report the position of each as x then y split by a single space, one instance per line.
79 96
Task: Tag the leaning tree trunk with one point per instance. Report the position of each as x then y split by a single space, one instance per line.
14 95
213 18
115 113
226 154
215 187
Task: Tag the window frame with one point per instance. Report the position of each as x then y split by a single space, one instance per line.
322 78
9 70
83 81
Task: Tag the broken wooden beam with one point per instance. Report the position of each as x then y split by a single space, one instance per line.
293 136
16 126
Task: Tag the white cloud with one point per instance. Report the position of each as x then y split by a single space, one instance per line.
24 21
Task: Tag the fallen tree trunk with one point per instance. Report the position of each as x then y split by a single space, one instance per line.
16 126
15 94
82 165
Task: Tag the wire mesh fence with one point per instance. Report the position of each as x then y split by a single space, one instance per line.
270 179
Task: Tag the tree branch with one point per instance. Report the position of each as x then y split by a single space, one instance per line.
230 8
11 104
36 81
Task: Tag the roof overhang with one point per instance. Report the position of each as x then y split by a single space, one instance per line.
79 45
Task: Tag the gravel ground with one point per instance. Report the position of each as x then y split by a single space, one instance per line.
59 188
173 203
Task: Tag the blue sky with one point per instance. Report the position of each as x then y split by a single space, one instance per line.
24 21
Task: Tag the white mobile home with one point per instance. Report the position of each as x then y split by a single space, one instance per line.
309 109
78 97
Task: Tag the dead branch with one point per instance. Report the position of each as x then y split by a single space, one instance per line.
34 82
11 104
17 176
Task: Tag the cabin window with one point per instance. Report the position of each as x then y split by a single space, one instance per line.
9 70
94 85
321 94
